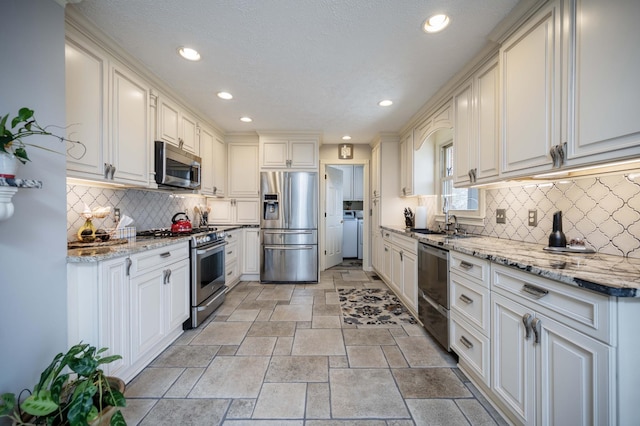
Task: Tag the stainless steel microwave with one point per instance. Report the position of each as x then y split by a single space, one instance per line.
176 167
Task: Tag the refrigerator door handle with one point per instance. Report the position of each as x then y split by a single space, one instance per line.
288 216
289 232
294 247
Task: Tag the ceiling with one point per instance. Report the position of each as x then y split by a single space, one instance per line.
301 65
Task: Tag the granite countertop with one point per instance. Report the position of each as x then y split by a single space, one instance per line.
603 273
97 254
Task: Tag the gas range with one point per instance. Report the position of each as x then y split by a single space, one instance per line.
199 236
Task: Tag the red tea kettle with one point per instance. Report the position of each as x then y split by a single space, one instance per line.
180 225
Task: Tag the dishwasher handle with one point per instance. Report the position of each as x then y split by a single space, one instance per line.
435 251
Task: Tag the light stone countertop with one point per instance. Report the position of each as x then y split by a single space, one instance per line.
602 273
97 254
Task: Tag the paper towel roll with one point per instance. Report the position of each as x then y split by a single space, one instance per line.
421 217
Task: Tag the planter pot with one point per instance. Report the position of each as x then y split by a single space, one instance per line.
8 165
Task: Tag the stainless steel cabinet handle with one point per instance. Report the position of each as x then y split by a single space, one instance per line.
386 249
113 171
107 169
561 155
128 264
230 252
401 253
526 320
166 254
466 265
554 156
466 342
534 291
536 325
466 299
229 273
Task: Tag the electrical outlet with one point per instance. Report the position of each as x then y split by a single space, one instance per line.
501 215
116 215
533 218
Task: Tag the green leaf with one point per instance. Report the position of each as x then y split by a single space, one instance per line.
56 387
3 123
115 398
93 414
117 419
108 359
83 366
49 373
80 407
39 404
22 156
25 113
8 403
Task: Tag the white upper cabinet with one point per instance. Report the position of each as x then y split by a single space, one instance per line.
107 109
214 163
176 126
440 119
285 152
244 178
475 134
530 76
406 165
604 59
352 182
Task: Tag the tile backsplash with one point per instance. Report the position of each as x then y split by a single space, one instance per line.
604 210
148 209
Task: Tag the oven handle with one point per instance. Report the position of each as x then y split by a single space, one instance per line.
288 247
210 249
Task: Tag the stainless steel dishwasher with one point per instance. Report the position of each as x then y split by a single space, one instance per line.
433 291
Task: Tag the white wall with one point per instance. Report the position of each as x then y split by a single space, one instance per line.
33 310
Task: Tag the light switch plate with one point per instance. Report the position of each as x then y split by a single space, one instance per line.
533 218
501 215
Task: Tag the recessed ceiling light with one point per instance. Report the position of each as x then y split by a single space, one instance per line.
189 53
386 102
246 119
435 23
225 95
346 138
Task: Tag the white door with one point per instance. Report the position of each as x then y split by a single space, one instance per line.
333 216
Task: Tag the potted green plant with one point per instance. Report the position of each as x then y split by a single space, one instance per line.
13 133
80 397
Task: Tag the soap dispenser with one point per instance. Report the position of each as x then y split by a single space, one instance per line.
557 237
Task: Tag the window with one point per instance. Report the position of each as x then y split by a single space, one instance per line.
465 203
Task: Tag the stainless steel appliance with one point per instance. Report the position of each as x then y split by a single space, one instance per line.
207 275
433 292
349 234
360 218
289 227
175 167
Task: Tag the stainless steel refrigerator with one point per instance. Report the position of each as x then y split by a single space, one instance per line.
289 227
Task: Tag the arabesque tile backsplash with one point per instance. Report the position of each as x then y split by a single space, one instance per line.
605 210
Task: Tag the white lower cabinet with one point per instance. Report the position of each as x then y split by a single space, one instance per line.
232 257
400 267
251 252
135 306
545 370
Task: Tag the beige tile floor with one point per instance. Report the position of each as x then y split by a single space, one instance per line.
281 355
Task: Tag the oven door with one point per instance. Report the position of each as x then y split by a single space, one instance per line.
207 272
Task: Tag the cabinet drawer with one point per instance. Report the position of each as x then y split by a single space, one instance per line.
231 272
230 253
470 267
405 243
472 347
386 235
151 259
583 310
471 301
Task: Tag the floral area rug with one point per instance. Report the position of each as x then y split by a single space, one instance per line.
373 306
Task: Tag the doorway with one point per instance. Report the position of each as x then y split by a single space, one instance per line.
345 223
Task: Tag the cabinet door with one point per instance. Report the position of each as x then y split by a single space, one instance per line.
251 251
410 279
406 165
114 321
247 212
146 312
574 377
397 268
303 154
244 179
168 120
275 154
375 171
530 81
207 145
513 362
129 127
189 133
219 167
176 295
221 212
387 261
604 71
358 183
86 109
486 141
463 134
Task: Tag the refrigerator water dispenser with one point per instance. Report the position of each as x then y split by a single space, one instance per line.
271 207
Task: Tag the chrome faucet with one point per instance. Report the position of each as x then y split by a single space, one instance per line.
455 223
445 210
